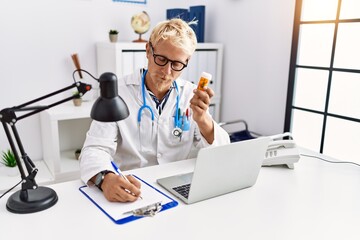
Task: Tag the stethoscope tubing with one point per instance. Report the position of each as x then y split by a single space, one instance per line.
145 106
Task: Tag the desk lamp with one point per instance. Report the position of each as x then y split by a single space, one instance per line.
108 107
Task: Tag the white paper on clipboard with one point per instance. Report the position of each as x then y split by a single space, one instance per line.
117 210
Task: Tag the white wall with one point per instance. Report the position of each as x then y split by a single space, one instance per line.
38 37
257 36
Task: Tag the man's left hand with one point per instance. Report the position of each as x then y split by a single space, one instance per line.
199 105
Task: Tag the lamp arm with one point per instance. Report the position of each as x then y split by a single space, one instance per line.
13 148
31 197
8 117
81 87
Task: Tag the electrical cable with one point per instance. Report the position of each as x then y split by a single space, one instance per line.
11 189
82 70
322 159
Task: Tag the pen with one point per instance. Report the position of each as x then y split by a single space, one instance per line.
178 116
122 175
182 120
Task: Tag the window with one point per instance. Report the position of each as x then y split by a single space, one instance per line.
323 103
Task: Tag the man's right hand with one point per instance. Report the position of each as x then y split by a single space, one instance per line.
117 189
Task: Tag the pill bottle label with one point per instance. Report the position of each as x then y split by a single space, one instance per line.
204 80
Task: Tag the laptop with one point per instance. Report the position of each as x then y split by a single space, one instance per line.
219 170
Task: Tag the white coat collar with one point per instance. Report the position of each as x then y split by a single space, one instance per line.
136 79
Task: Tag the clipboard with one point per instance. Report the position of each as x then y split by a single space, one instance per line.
153 201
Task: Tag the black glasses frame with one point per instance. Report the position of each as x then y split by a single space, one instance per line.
165 60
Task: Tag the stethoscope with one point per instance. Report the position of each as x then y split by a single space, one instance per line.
178 129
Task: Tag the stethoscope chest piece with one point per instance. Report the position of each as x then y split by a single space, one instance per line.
176 132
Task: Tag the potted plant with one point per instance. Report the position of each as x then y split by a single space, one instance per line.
77 99
9 161
113 35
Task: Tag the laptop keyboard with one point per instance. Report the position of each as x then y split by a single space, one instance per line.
183 190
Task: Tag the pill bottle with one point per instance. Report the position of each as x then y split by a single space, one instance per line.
204 80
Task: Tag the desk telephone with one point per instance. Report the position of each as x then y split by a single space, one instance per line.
281 151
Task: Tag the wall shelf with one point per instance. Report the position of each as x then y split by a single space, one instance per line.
63 131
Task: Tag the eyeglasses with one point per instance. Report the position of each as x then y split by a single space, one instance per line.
162 61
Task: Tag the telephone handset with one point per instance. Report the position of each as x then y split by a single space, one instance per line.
281 151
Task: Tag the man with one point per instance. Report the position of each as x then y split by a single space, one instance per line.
169 118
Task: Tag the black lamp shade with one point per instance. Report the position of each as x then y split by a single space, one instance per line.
109 107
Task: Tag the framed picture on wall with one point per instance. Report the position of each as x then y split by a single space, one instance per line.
131 1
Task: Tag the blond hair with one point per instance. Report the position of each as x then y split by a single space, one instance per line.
178 32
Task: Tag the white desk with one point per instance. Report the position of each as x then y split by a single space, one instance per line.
316 200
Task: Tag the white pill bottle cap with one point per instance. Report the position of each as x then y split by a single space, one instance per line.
206 75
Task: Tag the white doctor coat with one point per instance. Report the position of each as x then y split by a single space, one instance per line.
133 146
